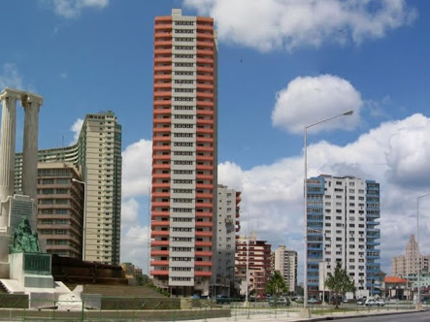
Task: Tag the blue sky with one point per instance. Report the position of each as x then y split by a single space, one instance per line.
283 64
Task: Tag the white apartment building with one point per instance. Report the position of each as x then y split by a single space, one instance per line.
342 227
285 261
227 223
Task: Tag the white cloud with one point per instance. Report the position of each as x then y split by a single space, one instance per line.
273 24
76 129
309 99
10 77
137 164
135 246
73 8
129 212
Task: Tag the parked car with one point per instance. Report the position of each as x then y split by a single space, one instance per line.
380 302
280 301
361 301
222 299
375 302
314 301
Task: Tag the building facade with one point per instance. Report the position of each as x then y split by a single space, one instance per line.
184 166
342 220
409 263
285 262
97 155
60 209
227 223
253 265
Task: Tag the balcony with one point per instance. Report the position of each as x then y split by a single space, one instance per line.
159 243
203 253
203 243
202 205
160 214
155 263
203 214
202 273
203 234
159 253
160 223
156 233
159 272
204 224
202 263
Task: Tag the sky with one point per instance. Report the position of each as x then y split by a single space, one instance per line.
283 65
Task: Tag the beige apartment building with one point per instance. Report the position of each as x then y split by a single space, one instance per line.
60 208
409 263
97 156
285 261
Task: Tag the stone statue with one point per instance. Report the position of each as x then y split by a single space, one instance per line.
24 240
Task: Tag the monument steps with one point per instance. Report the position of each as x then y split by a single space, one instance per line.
119 290
3 289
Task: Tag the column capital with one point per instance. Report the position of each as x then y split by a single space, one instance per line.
9 93
31 99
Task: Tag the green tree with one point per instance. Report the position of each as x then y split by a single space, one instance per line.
339 283
276 285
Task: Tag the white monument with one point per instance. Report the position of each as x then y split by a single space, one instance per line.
24 269
14 207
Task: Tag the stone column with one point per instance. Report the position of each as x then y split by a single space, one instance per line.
31 106
7 150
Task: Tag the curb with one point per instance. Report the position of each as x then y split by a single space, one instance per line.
334 317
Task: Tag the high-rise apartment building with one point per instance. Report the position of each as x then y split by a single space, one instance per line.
184 158
226 223
285 261
253 265
60 208
342 228
97 155
409 263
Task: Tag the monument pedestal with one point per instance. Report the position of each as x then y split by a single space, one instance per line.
31 269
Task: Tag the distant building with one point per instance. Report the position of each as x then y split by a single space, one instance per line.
407 264
227 223
254 256
342 220
97 155
285 262
60 209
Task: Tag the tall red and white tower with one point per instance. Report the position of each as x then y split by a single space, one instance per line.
184 157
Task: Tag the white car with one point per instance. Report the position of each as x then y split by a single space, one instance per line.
373 302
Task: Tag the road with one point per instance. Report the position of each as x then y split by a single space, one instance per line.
415 317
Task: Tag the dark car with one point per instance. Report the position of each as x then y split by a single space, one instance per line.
361 301
222 299
280 301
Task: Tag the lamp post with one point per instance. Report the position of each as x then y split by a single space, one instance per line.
84 230
419 307
247 272
306 312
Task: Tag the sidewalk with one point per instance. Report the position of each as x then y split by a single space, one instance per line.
285 315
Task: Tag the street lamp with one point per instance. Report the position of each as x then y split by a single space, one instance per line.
305 132
84 219
418 252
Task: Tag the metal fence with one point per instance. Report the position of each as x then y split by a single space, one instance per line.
94 308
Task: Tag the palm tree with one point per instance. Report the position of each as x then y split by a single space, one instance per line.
276 285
